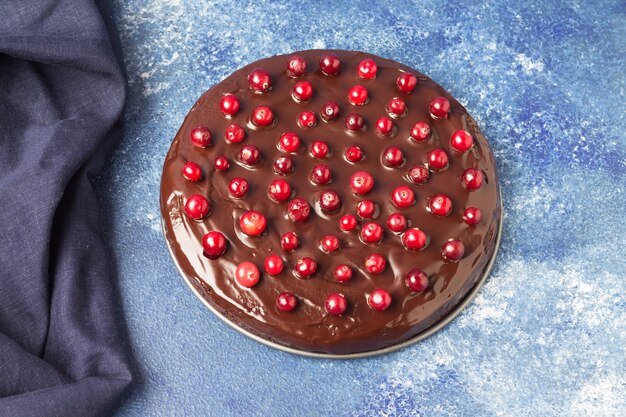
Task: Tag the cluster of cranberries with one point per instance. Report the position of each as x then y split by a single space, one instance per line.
253 223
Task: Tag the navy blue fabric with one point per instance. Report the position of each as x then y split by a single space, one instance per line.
61 97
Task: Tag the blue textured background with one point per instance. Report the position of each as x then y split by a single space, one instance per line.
546 334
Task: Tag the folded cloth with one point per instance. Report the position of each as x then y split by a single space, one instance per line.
61 97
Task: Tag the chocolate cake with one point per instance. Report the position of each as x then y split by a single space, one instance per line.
330 201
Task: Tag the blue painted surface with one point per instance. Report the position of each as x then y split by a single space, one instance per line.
546 334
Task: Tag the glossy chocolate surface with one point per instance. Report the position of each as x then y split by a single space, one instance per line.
309 326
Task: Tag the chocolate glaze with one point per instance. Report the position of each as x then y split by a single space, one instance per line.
309 326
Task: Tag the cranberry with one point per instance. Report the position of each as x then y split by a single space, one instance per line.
214 244
371 233
420 131
329 243
330 64
367 69
403 196
302 91
471 216
274 265
197 207
375 263
249 155
379 299
366 209
289 142
201 137
440 205
357 95
414 239
393 157
234 134
298 210
406 82
330 111
343 273
252 223
307 119
355 122
259 80
437 159
396 222
461 141
192 171
354 154
279 190
286 301
247 274
319 149
439 108
347 223
320 174
296 66
361 182
305 267
416 280
472 179
385 126
289 241
262 116
336 304
221 163
418 174
396 107
453 250
238 187
229 105
283 165
330 201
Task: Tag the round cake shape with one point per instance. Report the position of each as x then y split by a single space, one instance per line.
352 143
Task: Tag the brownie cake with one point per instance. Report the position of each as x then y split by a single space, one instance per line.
330 201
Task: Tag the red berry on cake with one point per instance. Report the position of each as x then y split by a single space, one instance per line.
393 157
418 174
259 80
416 280
192 171
289 241
307 119
252 223
361 182
279 190
406 82
221 163
286 301
249 155
320 174
453 250
296 66
319 149
353 154
461 141
396 107
396 222
371 233
403 196
367 69
229 105
414 239
197 207
358 95
440 205
343 273
385 126
375 263
379 299
471 216
354 122
302 91
347 223
298 210
439 108
283 165
234 134
366 209
214 244
420 131
437 159
329 243
247 274
330 111
289 142
305 268
329 201
273 265
238 187
262 116
201 137
472 179
336 304
330 64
